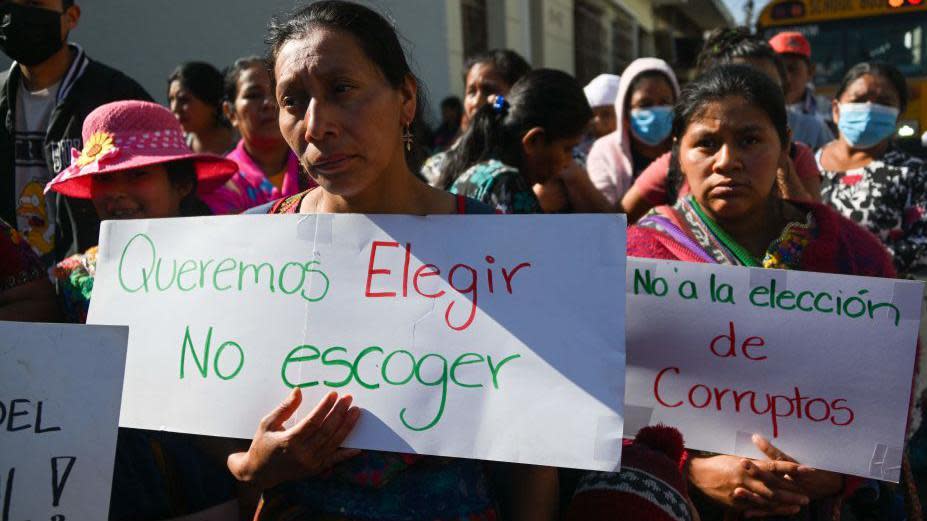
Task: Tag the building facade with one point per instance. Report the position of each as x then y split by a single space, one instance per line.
583 37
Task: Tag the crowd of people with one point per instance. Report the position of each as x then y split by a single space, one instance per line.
733 167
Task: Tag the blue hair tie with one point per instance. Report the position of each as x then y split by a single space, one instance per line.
499 104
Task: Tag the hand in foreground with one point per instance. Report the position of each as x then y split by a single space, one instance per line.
789 184
312 446
552 194
757 487
813 482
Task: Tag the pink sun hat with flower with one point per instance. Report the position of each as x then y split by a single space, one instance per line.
127 135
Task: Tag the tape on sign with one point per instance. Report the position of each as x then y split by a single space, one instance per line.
886 463
743 446
636 418
316 228
608 440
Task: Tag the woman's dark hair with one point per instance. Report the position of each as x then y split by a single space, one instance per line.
721 82
646 75
377 38
204 81
453 103
728 45
181 173
508 64
885 70
545 98
233 72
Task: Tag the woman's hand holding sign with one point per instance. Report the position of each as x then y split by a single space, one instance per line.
312 446
812 482
749 485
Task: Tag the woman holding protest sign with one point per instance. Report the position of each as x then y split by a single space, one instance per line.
348 108
730 138
136 165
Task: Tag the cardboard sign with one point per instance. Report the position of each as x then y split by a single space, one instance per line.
60 387
489 337
819 364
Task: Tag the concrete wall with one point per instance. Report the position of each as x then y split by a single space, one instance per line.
147 39
557 35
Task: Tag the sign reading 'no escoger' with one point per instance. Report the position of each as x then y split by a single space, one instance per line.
820 364
489 337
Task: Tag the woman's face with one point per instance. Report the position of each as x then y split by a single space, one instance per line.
144 193
651 92
545 159
729 154
338 113
483 80
194 114
871 88
254 111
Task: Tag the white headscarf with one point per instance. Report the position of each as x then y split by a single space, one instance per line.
602 90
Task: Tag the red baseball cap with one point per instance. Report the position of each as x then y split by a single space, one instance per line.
791 43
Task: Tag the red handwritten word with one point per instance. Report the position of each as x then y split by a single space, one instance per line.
731 350
701 396
468 287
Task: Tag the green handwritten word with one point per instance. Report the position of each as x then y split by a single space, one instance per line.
855 306
396 368
768 296
202 363
155 273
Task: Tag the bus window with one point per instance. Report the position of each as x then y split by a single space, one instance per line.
837 46
896 41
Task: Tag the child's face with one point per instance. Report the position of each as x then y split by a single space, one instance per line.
144 193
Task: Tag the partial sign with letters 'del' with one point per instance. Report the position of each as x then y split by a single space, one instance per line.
819 364
482 336
60 389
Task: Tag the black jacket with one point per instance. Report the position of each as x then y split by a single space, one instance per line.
86 86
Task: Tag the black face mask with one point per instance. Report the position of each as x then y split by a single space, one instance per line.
29 35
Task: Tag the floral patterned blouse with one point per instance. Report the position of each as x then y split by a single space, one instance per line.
498 185
18 263
887 197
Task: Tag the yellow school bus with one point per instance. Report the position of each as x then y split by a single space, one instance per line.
843 33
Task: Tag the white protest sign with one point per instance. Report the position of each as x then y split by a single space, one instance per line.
59 412
819 364
485 336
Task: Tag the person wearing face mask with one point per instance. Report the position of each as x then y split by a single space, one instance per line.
865 176
646 93
44 98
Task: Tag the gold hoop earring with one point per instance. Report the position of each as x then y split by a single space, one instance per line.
407 138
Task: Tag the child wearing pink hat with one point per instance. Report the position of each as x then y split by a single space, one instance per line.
135 164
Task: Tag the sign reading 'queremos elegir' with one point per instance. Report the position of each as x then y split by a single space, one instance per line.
489 337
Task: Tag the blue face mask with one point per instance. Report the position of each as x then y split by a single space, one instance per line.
652 125
865 125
